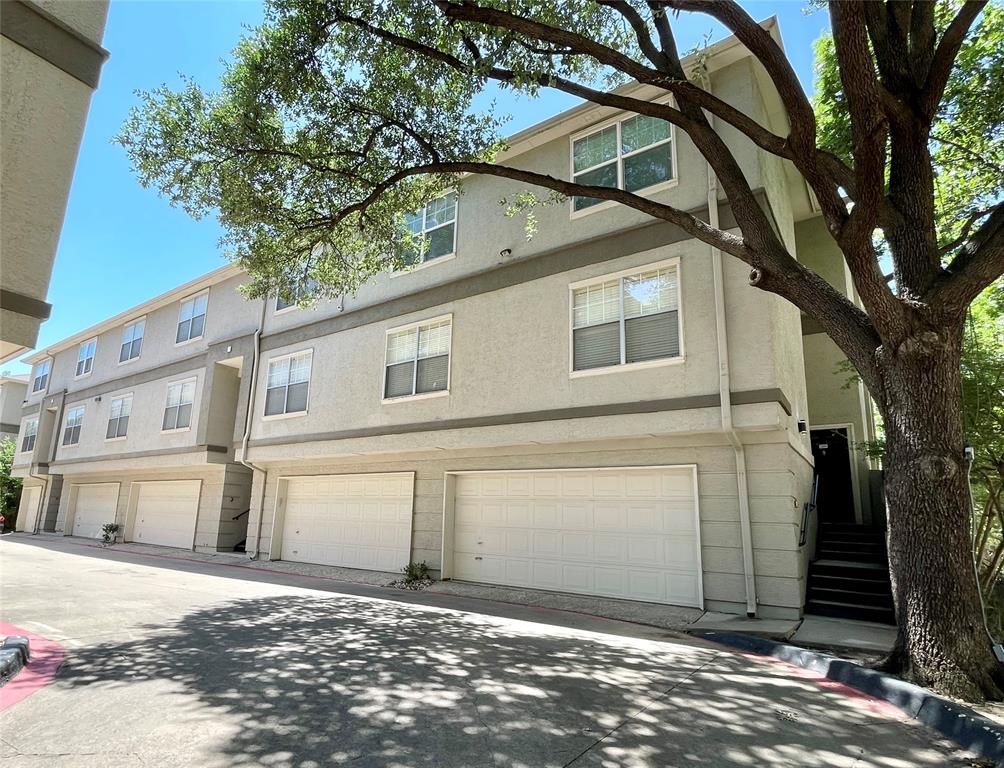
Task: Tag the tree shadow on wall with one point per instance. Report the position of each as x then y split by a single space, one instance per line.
318 681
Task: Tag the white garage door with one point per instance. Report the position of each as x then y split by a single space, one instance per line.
356 521
624 533
95 506
166 513
26 517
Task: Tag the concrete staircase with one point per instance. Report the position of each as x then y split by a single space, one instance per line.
849 578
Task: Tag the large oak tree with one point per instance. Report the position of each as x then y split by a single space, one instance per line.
337 116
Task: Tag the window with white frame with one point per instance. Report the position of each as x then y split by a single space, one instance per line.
624 319
178 410
74 420
634 154
192 318
30 432
434 227
118 418
418 359
295 295
41 376
85 357
288 384
132 341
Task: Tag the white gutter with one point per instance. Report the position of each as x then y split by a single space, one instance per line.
725 394
247 429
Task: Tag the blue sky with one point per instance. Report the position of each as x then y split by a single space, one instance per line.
122 244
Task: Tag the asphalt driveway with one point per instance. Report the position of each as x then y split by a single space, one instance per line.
172 663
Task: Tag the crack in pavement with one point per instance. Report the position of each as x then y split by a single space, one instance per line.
644 709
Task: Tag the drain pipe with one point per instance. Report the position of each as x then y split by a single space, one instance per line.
725 393
247 429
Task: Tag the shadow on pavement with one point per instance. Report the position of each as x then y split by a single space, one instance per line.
329 680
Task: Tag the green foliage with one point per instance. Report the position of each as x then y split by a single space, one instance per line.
10 487
313 115
968 134
108 532
415 572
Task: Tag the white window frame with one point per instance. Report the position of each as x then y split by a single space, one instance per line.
66 425
36 374
449 363
125 328
664 264
80 359
111 400
181 304
167 394
276 310
25 435
268 364
607 204
446 256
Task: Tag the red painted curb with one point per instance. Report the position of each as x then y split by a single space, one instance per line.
46 658
871 703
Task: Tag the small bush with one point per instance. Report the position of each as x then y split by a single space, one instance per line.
108 531
414 572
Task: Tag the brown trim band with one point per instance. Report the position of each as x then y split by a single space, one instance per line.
752 397
207 449
51 39
12 301
757 396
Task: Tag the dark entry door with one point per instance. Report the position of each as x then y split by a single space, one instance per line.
832 452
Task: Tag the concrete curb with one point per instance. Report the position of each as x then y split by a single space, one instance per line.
959 723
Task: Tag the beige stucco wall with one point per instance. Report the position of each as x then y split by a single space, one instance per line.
510 354
44 110
835 397
222 489
778 481
145 422
12 394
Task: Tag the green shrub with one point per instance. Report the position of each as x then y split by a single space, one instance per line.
415 572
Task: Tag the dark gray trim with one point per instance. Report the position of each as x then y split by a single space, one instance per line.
810 326
207 449
568 257
527 417
28 410
12 301
15 428
177 368
757 396
51 39
964 726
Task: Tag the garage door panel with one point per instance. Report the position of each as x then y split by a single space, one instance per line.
167 512
615 533
95 505
353 521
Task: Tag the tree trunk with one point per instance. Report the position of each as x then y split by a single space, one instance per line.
942 641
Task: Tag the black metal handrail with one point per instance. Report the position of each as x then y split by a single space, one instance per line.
807 509
238 517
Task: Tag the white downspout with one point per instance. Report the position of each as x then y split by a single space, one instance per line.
247 429
725 393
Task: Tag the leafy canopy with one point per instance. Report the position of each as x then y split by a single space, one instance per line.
967 135
312 116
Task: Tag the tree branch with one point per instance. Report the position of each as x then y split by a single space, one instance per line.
980 263
641 32
945 53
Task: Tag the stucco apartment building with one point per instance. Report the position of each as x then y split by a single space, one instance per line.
607 409
50 63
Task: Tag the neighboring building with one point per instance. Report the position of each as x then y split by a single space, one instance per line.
545 414
12 393
50 61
